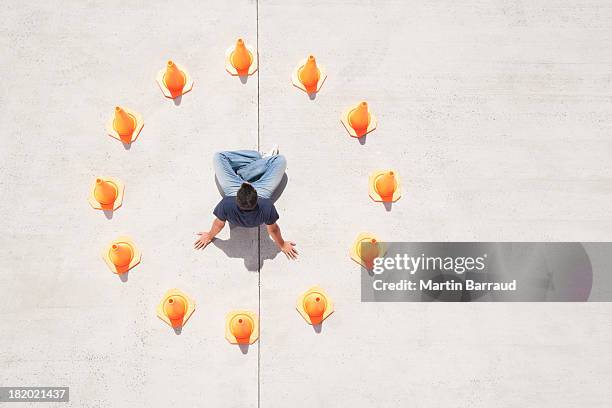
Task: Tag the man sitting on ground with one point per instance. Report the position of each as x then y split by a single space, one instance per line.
248 180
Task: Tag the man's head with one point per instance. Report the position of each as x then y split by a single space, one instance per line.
246 197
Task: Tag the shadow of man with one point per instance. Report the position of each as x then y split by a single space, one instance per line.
243 243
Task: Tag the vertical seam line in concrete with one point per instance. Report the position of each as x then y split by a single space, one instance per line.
258 228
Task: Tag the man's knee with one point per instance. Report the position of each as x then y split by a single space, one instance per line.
218 157
280 161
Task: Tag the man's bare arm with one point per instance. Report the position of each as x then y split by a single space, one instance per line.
206 237
286 246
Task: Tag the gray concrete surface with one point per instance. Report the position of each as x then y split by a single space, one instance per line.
495 113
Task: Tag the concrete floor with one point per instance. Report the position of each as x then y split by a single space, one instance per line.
496 114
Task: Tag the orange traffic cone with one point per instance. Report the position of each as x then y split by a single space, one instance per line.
124 124
241 58
309 76
105 192
358 120
315 305
368 251
366 248
121 255
174 79
385 186
241 327
175 308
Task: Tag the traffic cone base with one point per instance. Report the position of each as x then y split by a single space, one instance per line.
295 77
190 308
254 320
319 291
110 130
374 195
162 85
136 257
229 67
108 207
364 237
344 118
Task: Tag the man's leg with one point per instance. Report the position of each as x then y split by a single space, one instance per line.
271 171
227 165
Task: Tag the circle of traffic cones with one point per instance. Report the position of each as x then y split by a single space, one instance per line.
314 305
174 80
106 194
241 60
384 186
175 308
121 255
358 120
308 76
241 327
365 249
125 125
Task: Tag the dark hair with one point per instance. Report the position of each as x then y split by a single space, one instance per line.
246 197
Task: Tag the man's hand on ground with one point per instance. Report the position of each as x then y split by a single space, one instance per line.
289 250
203 241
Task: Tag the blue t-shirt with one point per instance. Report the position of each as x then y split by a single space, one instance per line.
263 213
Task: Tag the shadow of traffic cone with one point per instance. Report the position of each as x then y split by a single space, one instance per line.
358 120
175 309
122 255
308 76
314 305
174 80
366 248
125 125
384 186
242 327
241 60
106 194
